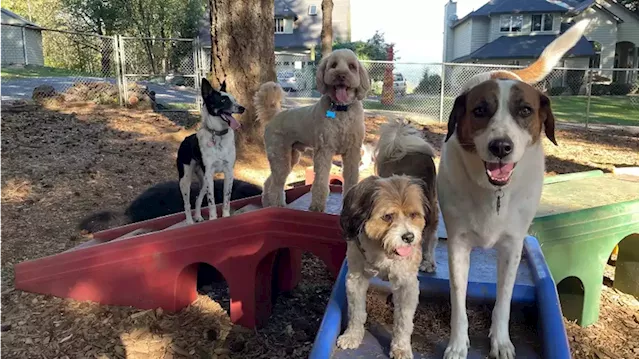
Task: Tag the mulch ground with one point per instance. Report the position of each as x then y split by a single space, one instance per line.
60 164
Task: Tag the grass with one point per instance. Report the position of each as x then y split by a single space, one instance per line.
615 110
30 71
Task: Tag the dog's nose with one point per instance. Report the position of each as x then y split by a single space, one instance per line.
342 77
240 109
408 237
501 147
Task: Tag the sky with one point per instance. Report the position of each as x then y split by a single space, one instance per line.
415 26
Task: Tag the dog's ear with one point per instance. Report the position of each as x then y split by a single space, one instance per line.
223 87
206 88
457 112
427 195
357 207
365 83
320 85
547 118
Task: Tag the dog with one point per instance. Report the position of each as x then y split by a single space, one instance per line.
402 150
382 220
160 200
209 151
334 125
490 181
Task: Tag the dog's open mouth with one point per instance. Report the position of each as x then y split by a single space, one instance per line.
341 93
499 173
232 122
404 251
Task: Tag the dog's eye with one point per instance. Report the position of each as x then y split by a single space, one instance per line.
388 217
525 112
333 65
479 112
352 67
414 215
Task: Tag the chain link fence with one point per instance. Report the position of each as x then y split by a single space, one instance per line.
165 73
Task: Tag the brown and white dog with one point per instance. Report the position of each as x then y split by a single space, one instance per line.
490 181
382 220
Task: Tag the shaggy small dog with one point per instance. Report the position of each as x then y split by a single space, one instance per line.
209 151
401 150
334 125
383 220
161 200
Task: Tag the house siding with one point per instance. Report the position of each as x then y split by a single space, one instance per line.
462 39
602 28
526 26
628 30
479 33
34 47
12 49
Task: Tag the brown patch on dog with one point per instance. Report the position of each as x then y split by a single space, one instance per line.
524 97
503 75
398 199
472 112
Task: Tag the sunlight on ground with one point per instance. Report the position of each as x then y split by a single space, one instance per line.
16 190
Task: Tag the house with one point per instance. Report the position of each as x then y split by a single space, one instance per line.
515 32
21 44
297 25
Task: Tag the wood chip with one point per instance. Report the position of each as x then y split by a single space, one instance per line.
139 314
65 339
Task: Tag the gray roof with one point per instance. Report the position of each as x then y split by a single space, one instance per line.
17 19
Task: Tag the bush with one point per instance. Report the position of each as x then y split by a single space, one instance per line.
557 91
599 90
620 89
430 83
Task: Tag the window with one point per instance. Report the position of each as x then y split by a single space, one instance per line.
594 60
514 63
313 10
279 25
510 23
542 22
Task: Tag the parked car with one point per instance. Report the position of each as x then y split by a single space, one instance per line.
399 84
291 80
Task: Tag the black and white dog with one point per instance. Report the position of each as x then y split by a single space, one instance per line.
160 200
209 151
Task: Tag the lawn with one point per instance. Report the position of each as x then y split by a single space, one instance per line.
617 110
38 71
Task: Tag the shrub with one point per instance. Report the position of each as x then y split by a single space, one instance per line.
599 90
620 89
557 91
430 83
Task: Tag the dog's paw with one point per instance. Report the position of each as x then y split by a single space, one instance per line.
457 348
350 340
189 221
400 352
226 214
428 266
198 219
316 208
502 348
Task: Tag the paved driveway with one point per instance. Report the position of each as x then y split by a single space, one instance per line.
22 88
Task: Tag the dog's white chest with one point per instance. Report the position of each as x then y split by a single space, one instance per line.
218 152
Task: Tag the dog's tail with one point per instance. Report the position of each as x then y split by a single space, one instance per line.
100 221
268 101
552 54
397 139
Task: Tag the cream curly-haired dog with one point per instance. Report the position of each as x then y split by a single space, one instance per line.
334 125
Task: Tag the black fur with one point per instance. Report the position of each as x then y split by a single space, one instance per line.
161 200
189 150
357 206
458 111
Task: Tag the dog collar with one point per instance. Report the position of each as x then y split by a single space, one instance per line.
219 133
340 108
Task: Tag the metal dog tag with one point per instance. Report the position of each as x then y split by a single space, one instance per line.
331 114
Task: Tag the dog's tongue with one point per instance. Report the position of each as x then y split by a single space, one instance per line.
341 95
500 170
404 251
233 123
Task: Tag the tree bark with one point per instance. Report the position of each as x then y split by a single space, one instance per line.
326 35
242 53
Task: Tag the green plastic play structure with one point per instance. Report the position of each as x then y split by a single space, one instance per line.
580 220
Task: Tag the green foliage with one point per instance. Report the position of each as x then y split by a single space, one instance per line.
373 49
430 83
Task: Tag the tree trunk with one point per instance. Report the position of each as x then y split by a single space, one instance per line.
242 53
327 28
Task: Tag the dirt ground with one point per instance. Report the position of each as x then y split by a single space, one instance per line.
60 164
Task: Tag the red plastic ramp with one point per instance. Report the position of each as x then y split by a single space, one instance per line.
159 269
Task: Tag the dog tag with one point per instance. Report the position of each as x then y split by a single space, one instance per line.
211 143
331 114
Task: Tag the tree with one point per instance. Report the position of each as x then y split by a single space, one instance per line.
242 53
630 4
374 49
326 34
430 83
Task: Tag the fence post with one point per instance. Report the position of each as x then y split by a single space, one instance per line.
442 79
123 68
196 71
116 58
589 82
24 47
